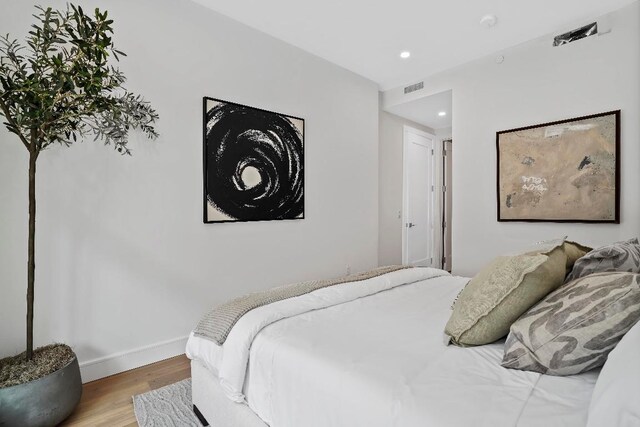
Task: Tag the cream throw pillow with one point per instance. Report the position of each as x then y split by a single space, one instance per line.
506 288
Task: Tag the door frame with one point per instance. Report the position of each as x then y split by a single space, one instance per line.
446 202
405 188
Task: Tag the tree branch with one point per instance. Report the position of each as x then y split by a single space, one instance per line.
7 115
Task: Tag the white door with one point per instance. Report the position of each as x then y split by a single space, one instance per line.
418 195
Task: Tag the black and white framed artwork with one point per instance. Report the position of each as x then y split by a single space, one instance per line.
253 164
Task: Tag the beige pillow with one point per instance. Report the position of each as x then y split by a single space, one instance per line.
506 288
574 252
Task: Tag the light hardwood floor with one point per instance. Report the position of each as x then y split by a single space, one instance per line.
107 402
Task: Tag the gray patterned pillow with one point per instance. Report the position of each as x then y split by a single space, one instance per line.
575 327
619 256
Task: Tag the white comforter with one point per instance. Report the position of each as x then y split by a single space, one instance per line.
377 358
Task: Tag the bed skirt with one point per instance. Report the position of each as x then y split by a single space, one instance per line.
214 406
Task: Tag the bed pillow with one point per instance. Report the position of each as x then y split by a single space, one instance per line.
617 391
505 289
574 328
619 256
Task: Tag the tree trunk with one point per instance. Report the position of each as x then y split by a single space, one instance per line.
31 263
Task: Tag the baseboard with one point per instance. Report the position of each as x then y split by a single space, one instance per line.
109 365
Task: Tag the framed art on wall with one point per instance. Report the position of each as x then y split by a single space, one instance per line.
253 163
564 171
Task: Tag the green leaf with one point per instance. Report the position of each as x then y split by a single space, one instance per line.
61 82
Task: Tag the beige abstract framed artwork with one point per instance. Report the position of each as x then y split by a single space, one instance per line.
564 171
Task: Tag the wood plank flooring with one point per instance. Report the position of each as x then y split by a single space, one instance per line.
107 402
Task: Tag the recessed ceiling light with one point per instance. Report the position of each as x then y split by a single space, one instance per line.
489 21
442 113
405 54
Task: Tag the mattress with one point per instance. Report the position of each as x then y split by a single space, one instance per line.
381 360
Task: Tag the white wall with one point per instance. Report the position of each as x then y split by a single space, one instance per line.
537 83
444 133
123 258
391 132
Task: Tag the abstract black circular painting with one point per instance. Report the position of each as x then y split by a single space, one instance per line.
253 164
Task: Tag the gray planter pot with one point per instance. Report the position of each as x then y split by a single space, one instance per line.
43 402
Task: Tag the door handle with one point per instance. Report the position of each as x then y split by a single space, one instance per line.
410 224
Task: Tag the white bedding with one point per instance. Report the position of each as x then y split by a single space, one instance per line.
379 360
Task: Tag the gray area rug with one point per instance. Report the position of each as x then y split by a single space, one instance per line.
166 407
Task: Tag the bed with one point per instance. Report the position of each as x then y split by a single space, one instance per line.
372 359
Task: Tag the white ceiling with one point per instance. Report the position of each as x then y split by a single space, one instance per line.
366 36
425 110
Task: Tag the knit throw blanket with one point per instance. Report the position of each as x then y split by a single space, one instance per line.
217 324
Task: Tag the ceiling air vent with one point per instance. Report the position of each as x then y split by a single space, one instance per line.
577 34
413 88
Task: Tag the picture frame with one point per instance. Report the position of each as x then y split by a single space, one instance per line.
566 171
253 163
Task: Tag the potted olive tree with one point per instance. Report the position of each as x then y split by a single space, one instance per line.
57 88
